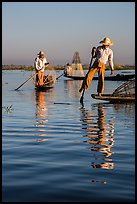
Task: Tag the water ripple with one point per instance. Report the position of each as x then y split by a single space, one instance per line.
55 150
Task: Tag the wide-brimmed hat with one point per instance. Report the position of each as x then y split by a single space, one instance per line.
106 41
41 53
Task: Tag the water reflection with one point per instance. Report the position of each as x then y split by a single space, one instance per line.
100 135
41 113
127 108
72 87
40 105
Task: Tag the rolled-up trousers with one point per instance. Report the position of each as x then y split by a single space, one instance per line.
97 67
39 78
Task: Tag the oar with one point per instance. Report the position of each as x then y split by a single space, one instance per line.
92 55
26 81
59 76
82 97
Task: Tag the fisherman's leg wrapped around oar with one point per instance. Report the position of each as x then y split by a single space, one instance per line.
88 78
97 67
101 73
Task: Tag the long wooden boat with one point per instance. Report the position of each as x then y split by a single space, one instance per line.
48 84
115 98
123 93
118 77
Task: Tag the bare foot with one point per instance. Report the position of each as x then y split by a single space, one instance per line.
99 94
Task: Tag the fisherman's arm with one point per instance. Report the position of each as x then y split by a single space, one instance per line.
111 64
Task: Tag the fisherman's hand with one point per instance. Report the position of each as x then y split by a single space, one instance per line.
46 64
112 72
93 52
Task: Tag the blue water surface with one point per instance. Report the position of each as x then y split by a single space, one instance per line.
55 150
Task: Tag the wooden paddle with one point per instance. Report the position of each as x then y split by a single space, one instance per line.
59 76
92 55
25 81
82 97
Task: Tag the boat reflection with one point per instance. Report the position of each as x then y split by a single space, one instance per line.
127 108
100 135
41 113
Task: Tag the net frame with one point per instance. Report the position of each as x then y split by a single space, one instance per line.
126 88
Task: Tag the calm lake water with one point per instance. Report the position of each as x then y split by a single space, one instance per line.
55 150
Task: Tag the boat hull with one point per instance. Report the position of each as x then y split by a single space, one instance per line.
118 77
48 84
115 98
42 88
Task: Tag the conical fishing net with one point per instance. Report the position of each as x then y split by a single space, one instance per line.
77 69
127 88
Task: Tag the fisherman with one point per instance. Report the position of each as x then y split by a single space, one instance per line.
67 70
40 63
102 54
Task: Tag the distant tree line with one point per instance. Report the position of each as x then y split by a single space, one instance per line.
61 67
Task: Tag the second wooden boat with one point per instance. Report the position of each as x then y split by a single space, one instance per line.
118 77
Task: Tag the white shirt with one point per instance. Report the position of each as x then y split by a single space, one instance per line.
40 64
104 55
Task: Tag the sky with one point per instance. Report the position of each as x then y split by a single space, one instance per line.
62 28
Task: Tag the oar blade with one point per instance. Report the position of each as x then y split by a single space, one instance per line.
81 98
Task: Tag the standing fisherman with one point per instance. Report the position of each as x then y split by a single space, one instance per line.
102 55
39 64
67 70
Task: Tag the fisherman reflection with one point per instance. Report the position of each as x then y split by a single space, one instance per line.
40 106
41 113
101 136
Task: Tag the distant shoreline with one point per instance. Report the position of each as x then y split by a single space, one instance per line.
60 67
